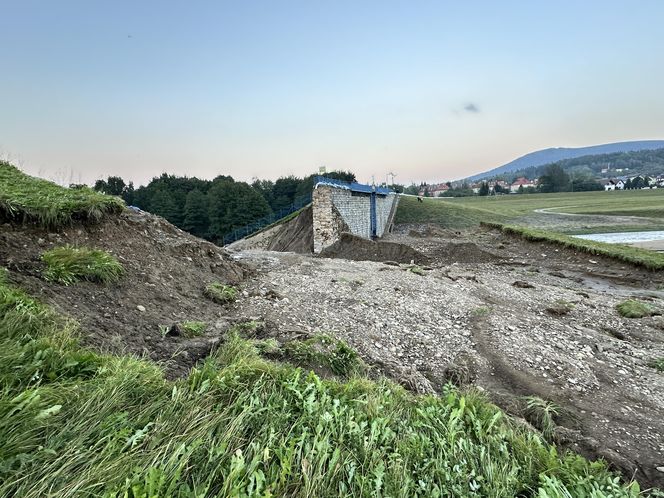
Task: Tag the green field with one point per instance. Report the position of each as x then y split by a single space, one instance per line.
464 212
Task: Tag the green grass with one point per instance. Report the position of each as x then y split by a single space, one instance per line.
634 309
327 352
77 424
646 203
67 265
27 199
640 257
220 293
193 329
465 212
657 364
542 414
446 213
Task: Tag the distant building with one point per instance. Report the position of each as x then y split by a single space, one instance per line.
612 184
434 190
522 182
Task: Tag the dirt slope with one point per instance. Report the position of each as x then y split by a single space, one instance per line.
167 270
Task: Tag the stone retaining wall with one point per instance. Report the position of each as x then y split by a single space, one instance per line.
337 210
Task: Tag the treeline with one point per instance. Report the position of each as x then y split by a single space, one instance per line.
211 209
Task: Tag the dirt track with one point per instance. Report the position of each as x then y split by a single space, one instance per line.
468 323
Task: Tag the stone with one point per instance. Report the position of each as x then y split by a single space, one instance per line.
140 308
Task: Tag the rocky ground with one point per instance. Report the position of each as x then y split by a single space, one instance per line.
480 308
513 318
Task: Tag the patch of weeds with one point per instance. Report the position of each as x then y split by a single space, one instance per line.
334 354
634 309
193 329
481 311
657 364
560 307
270 347
184 329
220 293
164 330
416 269
541 414
67 265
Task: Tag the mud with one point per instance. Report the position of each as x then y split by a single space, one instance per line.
356 248
296 235
166 272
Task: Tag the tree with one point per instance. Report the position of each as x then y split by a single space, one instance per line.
163 204
114 185
484 189
554 179
196 219
232 205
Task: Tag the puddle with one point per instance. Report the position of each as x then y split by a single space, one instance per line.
624 237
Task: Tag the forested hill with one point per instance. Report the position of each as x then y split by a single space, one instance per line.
212 208
552 155
645 162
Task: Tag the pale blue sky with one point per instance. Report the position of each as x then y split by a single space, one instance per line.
429 90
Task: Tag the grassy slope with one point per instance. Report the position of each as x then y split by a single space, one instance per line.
74 423
447 213
24 198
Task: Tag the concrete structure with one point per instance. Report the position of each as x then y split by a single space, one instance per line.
350 207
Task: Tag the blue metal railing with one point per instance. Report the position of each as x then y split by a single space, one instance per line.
255 226
353 186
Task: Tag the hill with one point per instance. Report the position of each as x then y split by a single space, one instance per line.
552 155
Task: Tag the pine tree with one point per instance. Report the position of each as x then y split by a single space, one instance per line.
162 204
196 219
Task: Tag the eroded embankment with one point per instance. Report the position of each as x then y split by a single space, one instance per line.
167 271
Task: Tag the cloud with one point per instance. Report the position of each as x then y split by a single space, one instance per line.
470 107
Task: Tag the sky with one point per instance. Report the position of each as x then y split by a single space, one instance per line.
430 91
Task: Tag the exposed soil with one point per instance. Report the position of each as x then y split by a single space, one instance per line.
463 321
167 271
356 248
466 321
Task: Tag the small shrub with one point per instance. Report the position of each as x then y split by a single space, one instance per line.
657 364
67 265
634 309
560 307
220 293
541 414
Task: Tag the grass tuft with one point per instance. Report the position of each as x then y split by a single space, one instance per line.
634 309
220 293
193 329
541 414
657 364
27 199
67 265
